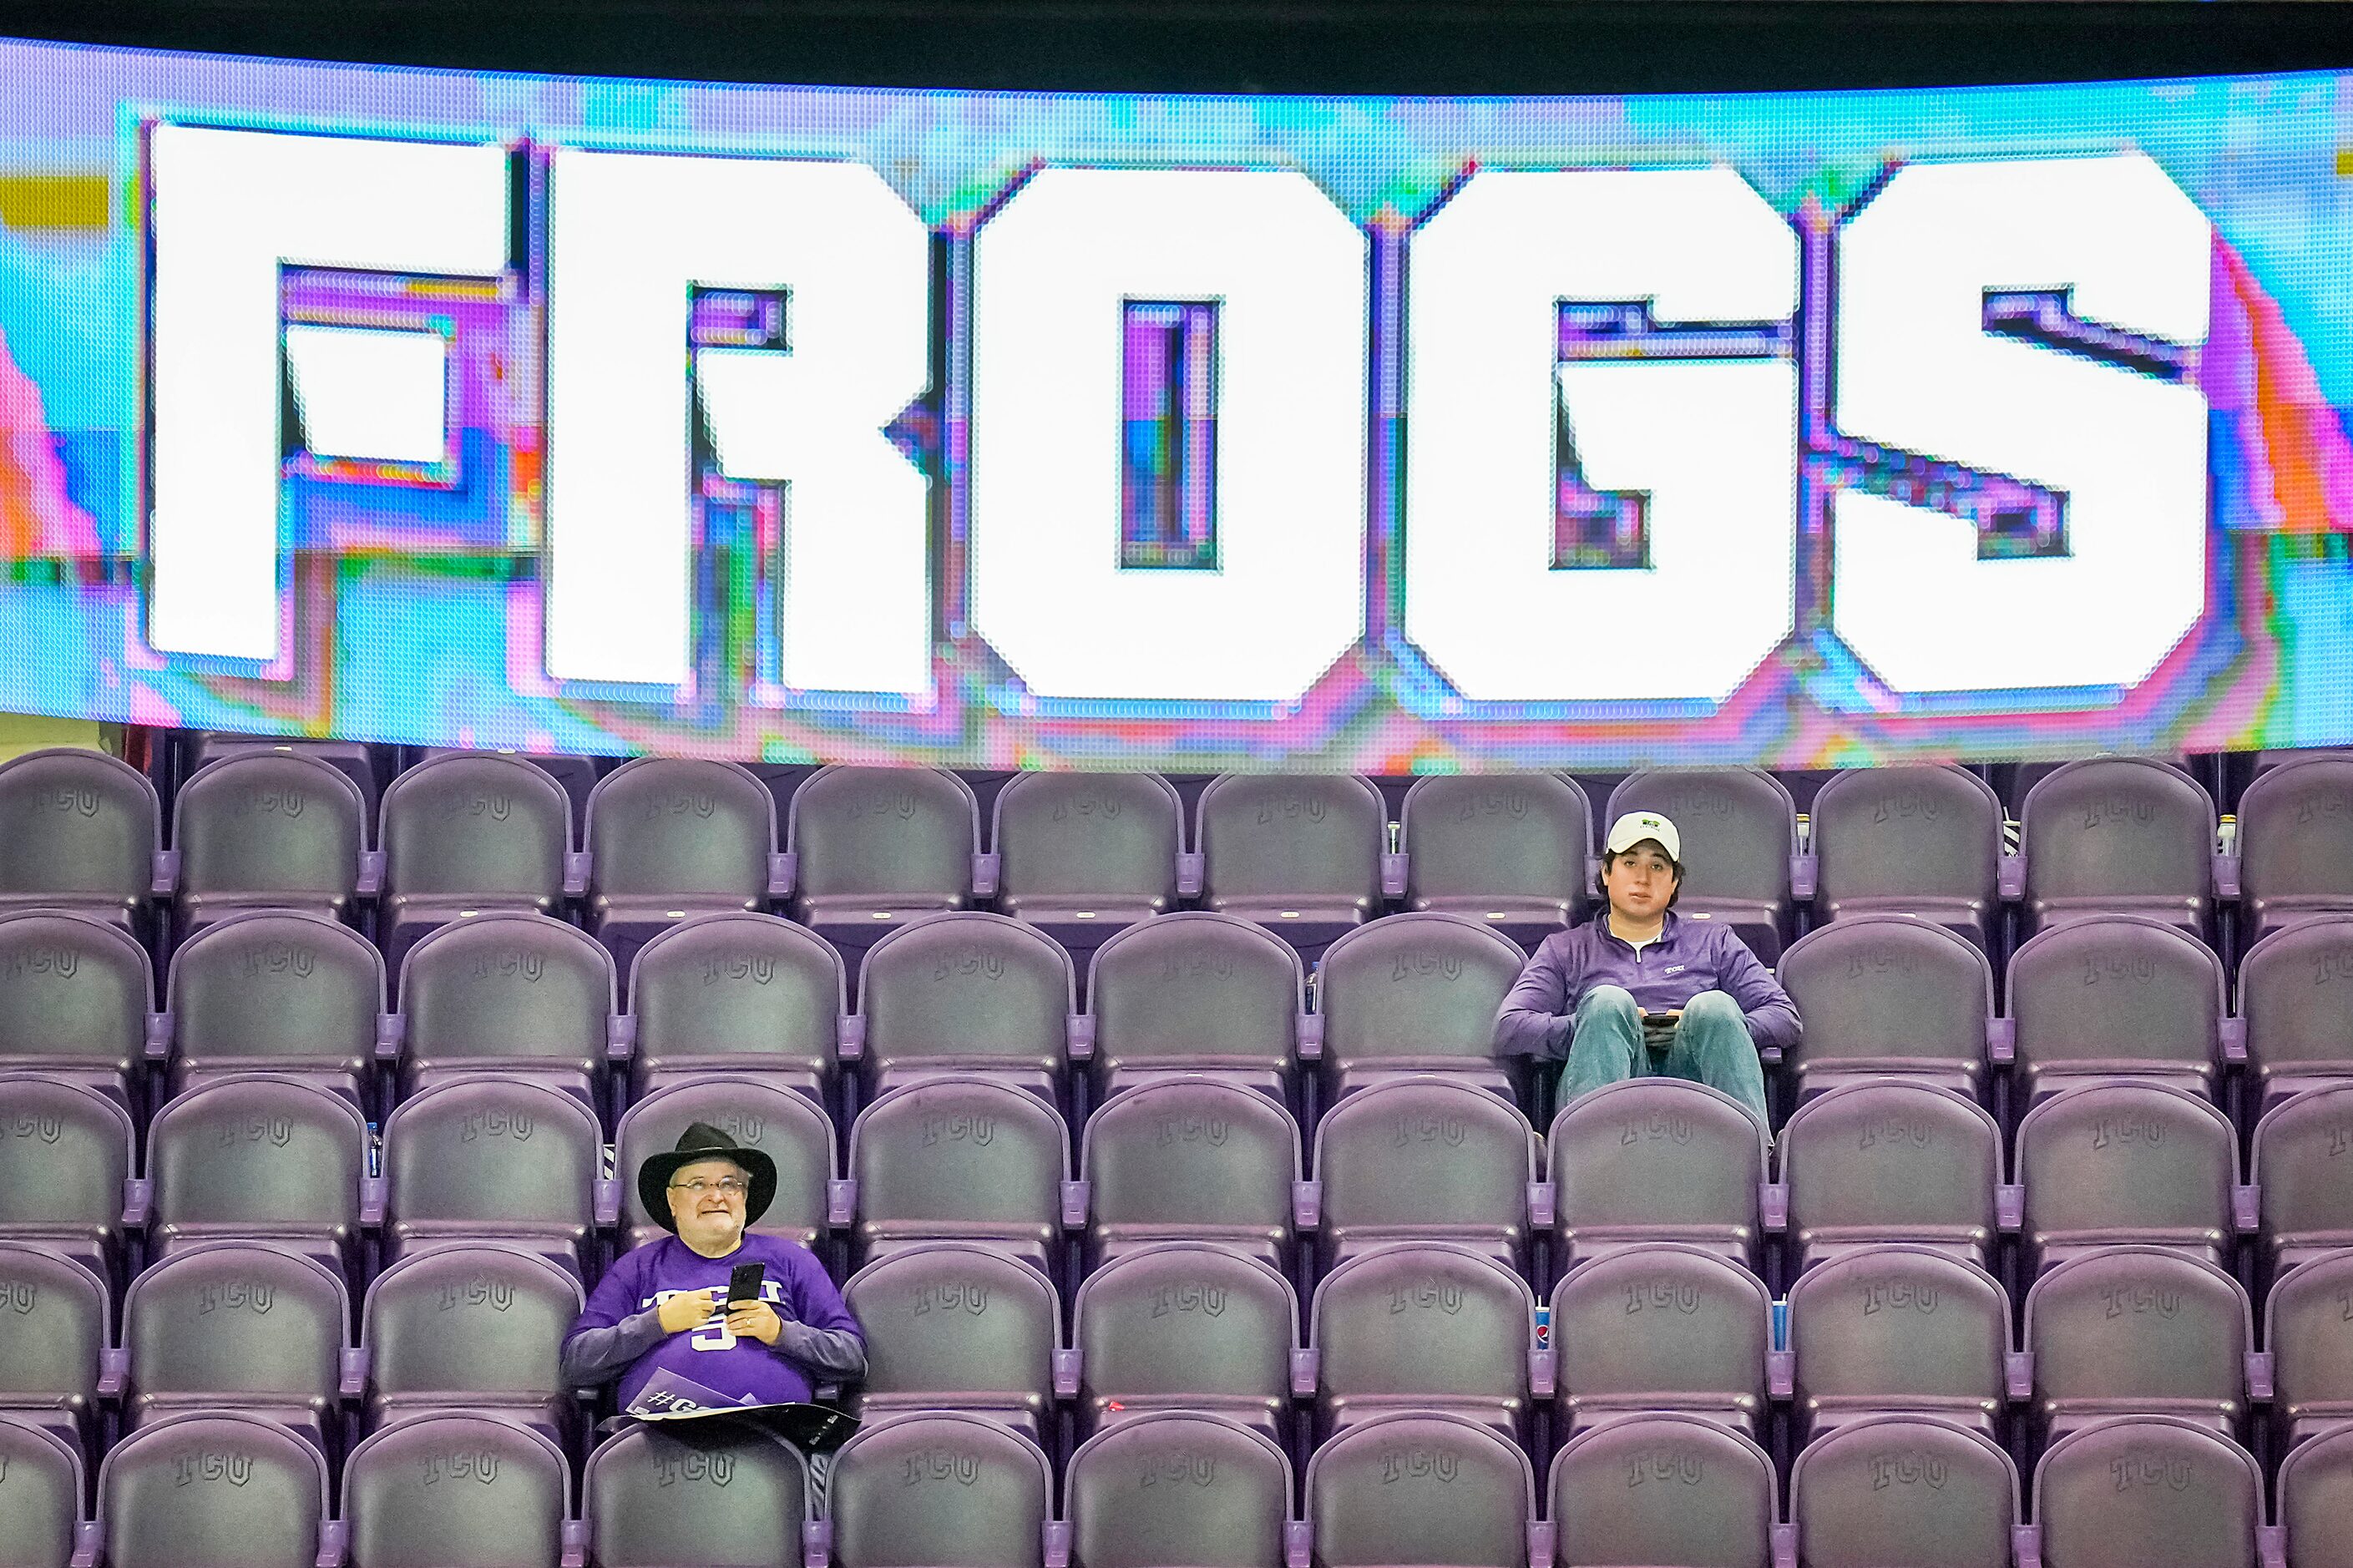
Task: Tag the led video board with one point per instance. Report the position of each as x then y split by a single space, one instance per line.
1001 430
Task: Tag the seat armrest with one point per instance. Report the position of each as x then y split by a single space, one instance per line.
2011 879
816 1542
1542 1370
1079 1029
985 869
370 881
391 1030
355 1369
113 1372
157 1040
1542 1206
608 1202
621 1037
784 873
373 1192
2259 1376
163 873
2226 874
1540 1542
1189 875
1311 1037
1298 1544
2234 1040
334 1543
849 1036
2271 1546
575 1537
2018 1375
577 864
2001 1041
1054 1537
138 1202
1077 1203
2010 1207
89 1543
1394 870
2247 1209
1070 1369
840 1202
1773 1206
1805 874
1780 1373
2026 1545
1306 1372
1306 1204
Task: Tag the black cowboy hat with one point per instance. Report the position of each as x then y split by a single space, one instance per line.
701 1140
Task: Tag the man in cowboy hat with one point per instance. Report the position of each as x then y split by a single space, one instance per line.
1638 991
665 1306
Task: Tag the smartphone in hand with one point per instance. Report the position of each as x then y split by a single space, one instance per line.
743 1282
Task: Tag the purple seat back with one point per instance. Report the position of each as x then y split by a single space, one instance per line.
1881 993
2117 995
1904 1488
1420 1488
451 1488
1663 1488
2119 836
2147 1493
213 1490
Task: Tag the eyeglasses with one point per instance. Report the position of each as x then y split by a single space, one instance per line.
725 1186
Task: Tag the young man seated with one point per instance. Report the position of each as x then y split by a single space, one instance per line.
1638 991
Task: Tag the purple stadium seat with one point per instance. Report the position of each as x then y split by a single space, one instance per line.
240 1326
1415 993
1903 1489
2137 1331
213 1490
451 1488
490 1158
959 1160
1424 1327
41 1486
1084 855
470 1327
1427 1158
1739 832
2103 1164
1660 1326
1893 1162
515 995
2147 1493
2296 996
1184 1326
59 1322
1656 1158
971 994
730 1499
1196 991
941 1489
2316 1503
1660 1489
1513 851
1173 1487
1881 995
1300 854
74 997
1923 842
873 847
1898 1331
2117 835
2304 1173
66 1153
2308 1330
258 1157
739 996
2296 842
672 837
953 1327
467 833
1421 1486
789 1128
2116 997
1191 1158
278 991
268 829
80 830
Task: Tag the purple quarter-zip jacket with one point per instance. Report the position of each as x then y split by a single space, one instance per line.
1689 957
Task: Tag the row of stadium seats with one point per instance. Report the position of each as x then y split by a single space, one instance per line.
1652 1326
1081 854
753 997
946 1490
1194 1159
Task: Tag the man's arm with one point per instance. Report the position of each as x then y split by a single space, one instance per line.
825 1340
609 1336
1771 1016
1533 1020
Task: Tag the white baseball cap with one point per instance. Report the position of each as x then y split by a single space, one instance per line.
1636 825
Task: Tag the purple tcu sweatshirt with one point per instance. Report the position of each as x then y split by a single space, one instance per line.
1690 956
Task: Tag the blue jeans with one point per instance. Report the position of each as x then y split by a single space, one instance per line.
1710 1045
